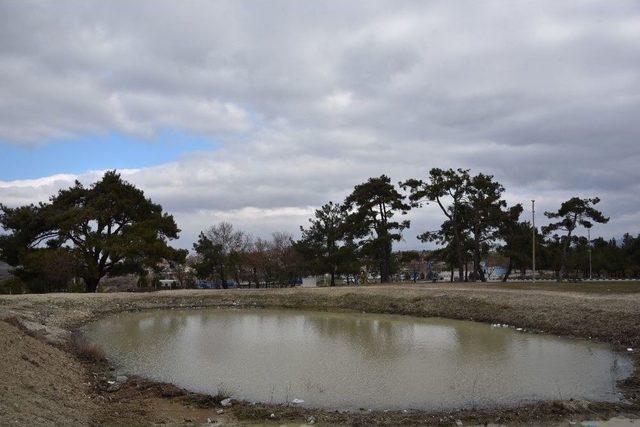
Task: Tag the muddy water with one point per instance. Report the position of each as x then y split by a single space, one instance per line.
352 360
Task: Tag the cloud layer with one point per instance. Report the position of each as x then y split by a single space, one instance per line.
307 99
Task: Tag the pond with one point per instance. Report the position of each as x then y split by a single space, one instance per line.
344 360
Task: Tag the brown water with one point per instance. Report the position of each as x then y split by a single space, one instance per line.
352 360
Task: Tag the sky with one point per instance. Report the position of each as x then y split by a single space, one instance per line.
257 113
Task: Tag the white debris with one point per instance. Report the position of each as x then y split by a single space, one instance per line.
311 420
297 401
220 411
209 421
629 349
273 415
226 402
518 329
458 422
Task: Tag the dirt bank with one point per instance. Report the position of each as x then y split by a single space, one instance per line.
604 316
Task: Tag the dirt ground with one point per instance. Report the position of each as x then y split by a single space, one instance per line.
44 382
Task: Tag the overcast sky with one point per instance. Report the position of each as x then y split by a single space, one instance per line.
259 112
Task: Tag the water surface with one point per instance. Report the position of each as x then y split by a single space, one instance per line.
353 360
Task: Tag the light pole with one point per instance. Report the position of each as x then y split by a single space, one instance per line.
533 245
589 241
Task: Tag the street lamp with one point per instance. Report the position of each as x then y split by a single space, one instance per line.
533 246
589 242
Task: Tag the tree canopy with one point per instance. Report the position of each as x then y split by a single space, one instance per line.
326 244
370 210
109 228
220 251
573 213
448 188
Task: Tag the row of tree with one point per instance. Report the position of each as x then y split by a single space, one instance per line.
110 228
476 220
223 254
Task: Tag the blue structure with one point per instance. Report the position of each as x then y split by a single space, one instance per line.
214 284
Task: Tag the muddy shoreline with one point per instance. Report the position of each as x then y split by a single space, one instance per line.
613 319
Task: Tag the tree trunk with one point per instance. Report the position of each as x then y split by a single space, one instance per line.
563 258
478 273
333 277
255 277
385 265
91 284
461 263
237 277
223 278
508 272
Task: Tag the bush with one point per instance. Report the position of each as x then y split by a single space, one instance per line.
88 351
12 285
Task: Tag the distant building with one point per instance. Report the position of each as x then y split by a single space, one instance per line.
309 282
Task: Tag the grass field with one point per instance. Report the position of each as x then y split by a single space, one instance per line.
595 287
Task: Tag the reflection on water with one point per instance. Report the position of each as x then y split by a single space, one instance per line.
351 360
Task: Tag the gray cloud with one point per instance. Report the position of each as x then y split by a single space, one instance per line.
309 98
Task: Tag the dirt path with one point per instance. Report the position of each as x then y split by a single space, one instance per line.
44 383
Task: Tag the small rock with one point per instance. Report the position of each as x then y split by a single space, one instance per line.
209 421
311 420
297 401
575 405
113 387
121 378
226 402
458 422
220 411
272 415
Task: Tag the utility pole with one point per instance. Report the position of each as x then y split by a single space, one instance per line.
589 241
533 246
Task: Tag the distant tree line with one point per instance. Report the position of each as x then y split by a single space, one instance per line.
359 232
84 234
223 254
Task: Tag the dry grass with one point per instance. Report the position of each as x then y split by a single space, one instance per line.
88 351
604 311
594 287
12 320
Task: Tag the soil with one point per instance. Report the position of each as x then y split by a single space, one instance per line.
45 381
